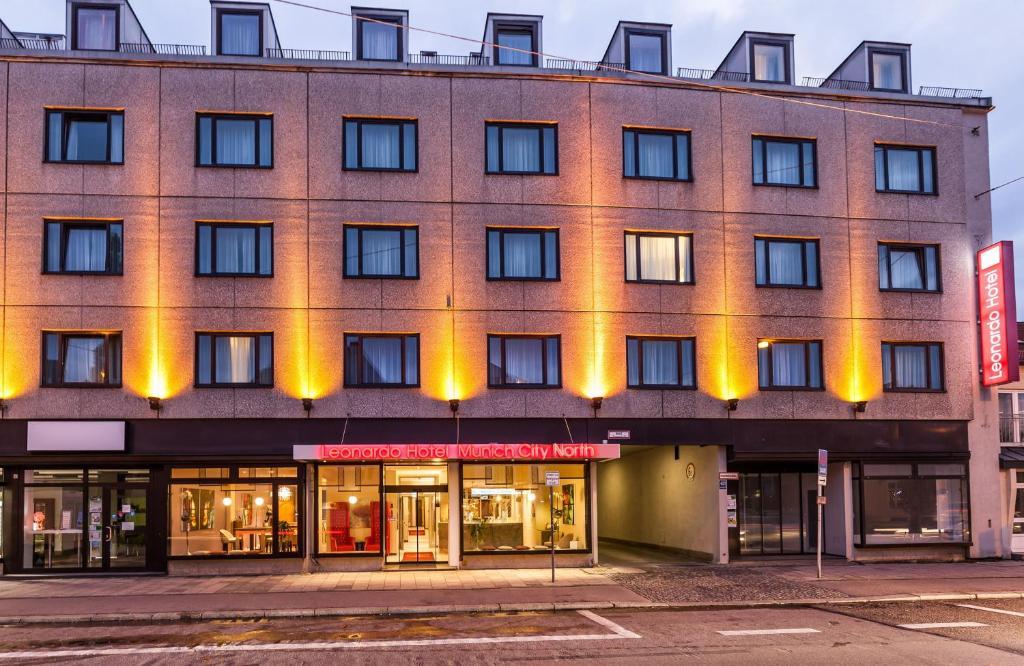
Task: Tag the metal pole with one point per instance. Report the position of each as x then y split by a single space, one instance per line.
821 489
551 504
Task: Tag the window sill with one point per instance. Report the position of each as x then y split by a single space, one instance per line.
533 551
80 386
788 185
85 162
909 291
916 544
927 194
663 179
805 287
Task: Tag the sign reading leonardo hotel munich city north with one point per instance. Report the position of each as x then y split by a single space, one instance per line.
997 312
495 451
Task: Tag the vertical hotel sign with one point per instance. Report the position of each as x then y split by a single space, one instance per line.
997 312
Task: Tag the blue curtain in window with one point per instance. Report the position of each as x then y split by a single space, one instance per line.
236 141
380 41
524 361
515 40
240 34
656 155
87 140
382 360
905 269
97 29
236 250
783 165
911 366
903 172
789 367
887 71
382 252
661 364
522 255
645 53
520 149
785 261
380 146
83 361
86 250
236 360
769 62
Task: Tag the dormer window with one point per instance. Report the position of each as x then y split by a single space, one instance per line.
769 62
239 33
887 71
520 41
380 38
645 52
95 27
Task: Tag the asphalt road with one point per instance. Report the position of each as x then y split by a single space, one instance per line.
862 634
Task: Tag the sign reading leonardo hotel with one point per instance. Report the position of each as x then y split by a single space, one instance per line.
531 452
997 312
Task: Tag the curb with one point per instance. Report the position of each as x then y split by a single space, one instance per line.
279 613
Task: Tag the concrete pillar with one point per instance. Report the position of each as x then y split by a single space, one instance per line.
722 549
839 510
454 514
592 508
309 519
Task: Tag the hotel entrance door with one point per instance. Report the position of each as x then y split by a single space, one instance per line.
416 513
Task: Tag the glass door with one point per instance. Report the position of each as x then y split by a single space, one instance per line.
1017 545
417 533
776 513
117 527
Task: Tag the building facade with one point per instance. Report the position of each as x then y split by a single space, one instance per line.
1011 455
272 310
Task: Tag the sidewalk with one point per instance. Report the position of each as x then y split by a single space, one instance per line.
656 585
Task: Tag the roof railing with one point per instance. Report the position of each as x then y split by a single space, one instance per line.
453 60
836 84
956 93
35 44
568 65
308 54
164 49
711 74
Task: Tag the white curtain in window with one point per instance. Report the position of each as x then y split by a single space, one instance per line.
240 34
86 250
645 53
380 41
661 365
769 62
236 360
783 163
656 155
903 172
236 142
785 263
905 269
657 258
520 149
382 252
83 362
524 361
380 146
887 71
382 360
788 364
236 250
522 255
911 367
97 29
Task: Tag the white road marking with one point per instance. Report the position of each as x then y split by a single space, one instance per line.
992 610
619 633
766 632
941 625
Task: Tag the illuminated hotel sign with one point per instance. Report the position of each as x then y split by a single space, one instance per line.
997 307
493 451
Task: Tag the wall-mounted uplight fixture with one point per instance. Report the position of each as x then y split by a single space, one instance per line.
860 406
453 405
731 404
595 404
307 405
155 403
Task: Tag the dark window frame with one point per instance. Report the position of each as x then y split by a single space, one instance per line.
214 225
929 371
903 69
366 120
919 250
675 134
80 114
765 140
74 26
539 126
516 27
65 228
382 18
806 386
629 32
639 269
402 228
402 338
538 231
214 117
886 147
63 337
680 342
214 335
220 30
786 60
768 240
546 339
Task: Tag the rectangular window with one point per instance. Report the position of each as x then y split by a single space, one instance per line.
781 161
234 359
519 44
239 33
656 154
380 144
905 169
95 27
235 140
910 504
770 62
663 363
659 257
786 262
83 247
522 254
522 148
84 136
350 509
377 251
524 361
234 249
507 508
81 359
912 366
789 364
887 71
645 52
382 360
908 267
380 38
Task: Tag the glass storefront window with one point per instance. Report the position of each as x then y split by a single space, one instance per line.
348 499
506 507
907 504
3 516
200 473
53 527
